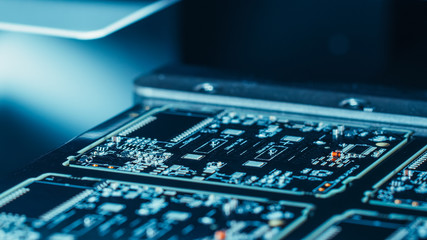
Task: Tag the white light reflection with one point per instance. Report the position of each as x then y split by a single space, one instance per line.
70 19
73 84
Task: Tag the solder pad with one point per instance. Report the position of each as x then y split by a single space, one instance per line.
363 224
405 187
56 206
267 152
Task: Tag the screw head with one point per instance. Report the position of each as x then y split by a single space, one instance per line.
356 104
205 88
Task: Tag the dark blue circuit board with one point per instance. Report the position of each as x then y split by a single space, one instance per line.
362 224
55 206
405 187
209 172
243 149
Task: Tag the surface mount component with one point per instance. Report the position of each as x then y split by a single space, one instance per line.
361 224
406 187
55 206
251 150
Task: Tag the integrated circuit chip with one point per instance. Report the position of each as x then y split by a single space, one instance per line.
38 198
167 125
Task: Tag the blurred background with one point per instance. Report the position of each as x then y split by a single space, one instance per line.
54 87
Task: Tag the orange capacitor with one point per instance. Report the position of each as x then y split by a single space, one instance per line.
220 235
336 154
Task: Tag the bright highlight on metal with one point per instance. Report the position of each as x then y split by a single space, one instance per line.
79 20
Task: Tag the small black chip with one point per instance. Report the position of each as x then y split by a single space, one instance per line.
167 126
